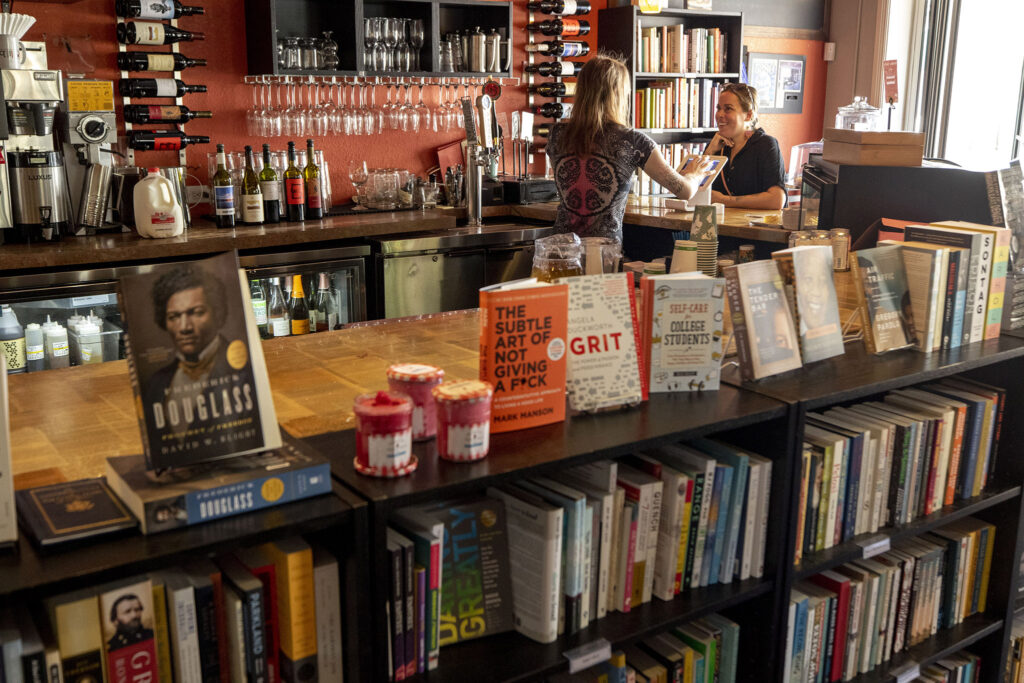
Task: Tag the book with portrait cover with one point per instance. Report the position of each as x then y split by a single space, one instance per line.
682 336
807 274
129 642
883 298
766 340
195 361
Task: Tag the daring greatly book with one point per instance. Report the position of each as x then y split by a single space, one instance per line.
196 364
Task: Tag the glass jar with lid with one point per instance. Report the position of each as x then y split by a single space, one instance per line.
859 116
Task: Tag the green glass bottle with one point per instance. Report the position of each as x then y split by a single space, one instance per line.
223 192
271 189
311 174
294 188
252 197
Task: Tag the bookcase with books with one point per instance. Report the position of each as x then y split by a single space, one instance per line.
677 59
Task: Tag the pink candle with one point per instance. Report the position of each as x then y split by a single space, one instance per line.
384 434
463 419
417 380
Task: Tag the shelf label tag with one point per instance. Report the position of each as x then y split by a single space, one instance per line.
874 545
94 300
907 673
588 655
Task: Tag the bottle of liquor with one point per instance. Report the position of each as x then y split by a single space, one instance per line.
560 27
277 310
542 130
258 296
145 113
252 198
560 7
323 302
150 9
554 89
311 174
156 61
156 87
271 189
563 69
554 110
294 188
560 48
223 192
163 140
153 33
298 309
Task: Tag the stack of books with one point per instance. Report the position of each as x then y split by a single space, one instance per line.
676 103
676 49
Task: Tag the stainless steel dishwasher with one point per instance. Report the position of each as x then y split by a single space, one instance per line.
443 271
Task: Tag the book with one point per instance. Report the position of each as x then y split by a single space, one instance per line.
523 331
8 516
161 626
427 534
421 618
396 604
604 366
927 271
807 274
235 642
207 491
54 672
33 655
327 590
196 362
71 511
207 592
1000 239
258 563
766 340
126 610
646 491
883 298
296 609
244 593
10 646
75 618
182 618
682 331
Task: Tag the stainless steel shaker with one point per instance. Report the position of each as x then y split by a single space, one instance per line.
477 51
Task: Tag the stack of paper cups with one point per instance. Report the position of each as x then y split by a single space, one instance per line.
654 268
707 257
684 256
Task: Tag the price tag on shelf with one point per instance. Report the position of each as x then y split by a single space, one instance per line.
588 655
907 672
94 300
875 545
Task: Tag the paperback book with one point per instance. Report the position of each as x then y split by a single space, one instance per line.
807 274
8 519
766 340
883 298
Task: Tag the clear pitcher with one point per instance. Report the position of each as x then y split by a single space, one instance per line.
557 256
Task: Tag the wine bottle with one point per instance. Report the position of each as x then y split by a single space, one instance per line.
560 7
294 188
311 174
554 110
223 192
326 311
252 198
153 33
156 87
156 61
542 131
155 9
271 189
298 309
163 140
144 113
277 310
560 48
560 27
563 69
554 89
258 297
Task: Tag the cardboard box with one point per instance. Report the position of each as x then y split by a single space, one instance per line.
873 148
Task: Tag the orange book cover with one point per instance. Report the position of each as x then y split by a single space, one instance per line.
523 354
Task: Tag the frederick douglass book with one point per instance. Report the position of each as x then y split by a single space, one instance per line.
807 274
196 364
207 491
883 298
766 340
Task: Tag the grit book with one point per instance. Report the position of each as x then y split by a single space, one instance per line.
604 367
883 298
523 328
196 364
766 339
807 274
682 334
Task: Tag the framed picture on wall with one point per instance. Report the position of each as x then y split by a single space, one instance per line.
779 80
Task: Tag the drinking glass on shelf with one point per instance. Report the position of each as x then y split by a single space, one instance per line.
416 37
292 54
358 174
390 32
310 54
371 36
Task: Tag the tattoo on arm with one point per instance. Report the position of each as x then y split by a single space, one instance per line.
677 186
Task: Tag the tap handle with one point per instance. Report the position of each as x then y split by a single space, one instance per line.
485 107
469 115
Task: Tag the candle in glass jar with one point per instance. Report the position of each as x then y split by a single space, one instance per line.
384 434
417 380
463 419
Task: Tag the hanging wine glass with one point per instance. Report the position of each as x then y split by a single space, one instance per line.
422 110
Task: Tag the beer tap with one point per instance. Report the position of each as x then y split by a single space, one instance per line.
480 153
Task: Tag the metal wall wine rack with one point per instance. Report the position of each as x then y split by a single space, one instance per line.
361 79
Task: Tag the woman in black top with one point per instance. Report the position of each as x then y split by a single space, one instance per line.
753 177
595 154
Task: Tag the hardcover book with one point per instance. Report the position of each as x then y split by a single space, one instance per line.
196 364
71 511
683 324
293 560
208 491
76 620
883 298
604 367
766 339
126 612
807 274
523 328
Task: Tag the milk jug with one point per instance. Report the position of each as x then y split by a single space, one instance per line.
157 212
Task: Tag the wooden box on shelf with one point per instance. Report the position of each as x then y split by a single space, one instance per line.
873 148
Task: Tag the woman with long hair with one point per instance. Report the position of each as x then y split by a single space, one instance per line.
595 154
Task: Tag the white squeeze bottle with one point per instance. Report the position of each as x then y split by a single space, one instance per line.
157 212
57 351
34 347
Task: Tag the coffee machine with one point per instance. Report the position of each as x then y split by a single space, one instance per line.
90 128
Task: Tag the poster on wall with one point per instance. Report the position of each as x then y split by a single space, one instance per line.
779 80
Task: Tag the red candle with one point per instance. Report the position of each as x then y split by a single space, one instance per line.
463 419
384 434
417 380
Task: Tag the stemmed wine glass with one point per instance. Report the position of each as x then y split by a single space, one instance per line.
410 119
391 42
367 114
253 127
358 174
371 37
270 115
416 37
422 110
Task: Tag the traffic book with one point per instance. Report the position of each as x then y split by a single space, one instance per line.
807 274
766 339
196 363
523 330
883 298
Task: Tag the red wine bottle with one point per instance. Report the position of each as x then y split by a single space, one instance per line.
560 7
563 69
554 89
554 110
561 27
156 61
144 113
163 140
294 188
542 131
560 48
153 33
155 9
156 87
